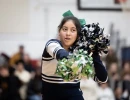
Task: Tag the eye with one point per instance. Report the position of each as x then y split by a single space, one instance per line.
73 30
64 29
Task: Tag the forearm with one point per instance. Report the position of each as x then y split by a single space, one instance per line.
62 53
54 49
100 70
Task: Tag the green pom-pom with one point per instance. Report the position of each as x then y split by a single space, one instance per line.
78 65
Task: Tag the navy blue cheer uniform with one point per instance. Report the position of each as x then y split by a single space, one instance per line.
54 88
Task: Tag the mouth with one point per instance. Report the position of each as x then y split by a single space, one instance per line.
67 39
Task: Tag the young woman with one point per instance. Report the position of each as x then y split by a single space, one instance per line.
54 88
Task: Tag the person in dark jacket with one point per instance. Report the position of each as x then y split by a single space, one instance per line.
9 85
35 86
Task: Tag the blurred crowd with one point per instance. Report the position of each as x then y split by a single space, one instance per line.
20 78
118 84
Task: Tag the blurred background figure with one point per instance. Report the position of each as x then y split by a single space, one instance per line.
24 76
126 86
105 92
126 68
28 64
114 77
118 93
111 58
17 56
4 59
35 86
9 85
89 88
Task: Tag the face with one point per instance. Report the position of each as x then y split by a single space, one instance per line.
21 50
4 72
20 67
68 34
26 58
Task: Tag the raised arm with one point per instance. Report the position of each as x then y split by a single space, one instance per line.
100 70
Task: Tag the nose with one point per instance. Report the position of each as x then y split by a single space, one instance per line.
68 32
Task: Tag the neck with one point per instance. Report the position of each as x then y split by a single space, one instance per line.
66 48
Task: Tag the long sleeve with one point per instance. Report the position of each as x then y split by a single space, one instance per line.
55 49
100 70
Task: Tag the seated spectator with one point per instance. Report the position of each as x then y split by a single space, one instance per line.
113 74
105 92
9 85
24 76
27 63
89 88
126 67
118 93
35 86
111 58
126 86
4 59
17 56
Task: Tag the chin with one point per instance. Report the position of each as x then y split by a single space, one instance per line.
67 45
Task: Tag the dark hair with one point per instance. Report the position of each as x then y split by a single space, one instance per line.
75 21
21 47
19 62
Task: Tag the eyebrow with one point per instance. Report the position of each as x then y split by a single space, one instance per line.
64 26
67 27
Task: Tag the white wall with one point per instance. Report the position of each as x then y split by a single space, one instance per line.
14 16
44 17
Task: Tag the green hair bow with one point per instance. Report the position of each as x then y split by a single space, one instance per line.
69 13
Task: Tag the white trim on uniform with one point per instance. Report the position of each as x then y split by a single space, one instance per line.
61 82
101 81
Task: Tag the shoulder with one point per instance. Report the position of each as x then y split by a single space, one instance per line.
53 41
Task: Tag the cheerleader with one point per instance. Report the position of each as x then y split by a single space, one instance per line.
54 87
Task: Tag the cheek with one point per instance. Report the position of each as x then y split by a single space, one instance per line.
62 34
75 36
